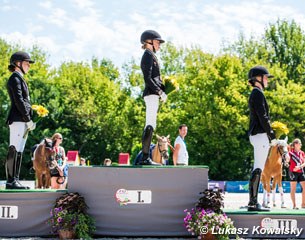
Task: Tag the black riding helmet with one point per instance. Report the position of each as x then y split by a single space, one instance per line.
258 71
19 57
151 35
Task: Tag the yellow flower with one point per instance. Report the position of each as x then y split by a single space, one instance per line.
35 107
170 84
39 112
42 111
279 129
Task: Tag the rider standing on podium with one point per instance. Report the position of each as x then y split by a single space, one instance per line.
19 117
153 91
260 131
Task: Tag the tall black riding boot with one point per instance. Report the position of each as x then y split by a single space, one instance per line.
12 166
253 204
18 168
146 140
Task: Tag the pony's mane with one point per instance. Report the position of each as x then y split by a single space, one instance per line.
41 147
280 142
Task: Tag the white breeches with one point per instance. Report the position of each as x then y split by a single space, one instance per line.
17 130
152 105
260 143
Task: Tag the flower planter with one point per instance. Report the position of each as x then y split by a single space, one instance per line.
208 236
66 234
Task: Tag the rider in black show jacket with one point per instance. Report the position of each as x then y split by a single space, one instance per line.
19 118
260 131
259 114
151 72
153 91
21 110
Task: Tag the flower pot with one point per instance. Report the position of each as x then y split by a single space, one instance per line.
208 236
66 234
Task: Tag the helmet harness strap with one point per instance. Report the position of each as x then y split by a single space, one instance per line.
151 43
21 68
260 82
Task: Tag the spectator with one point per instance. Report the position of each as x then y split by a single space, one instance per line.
82 162
180 156
59 175
107 162
296 171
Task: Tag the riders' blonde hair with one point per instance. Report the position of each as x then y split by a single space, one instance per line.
144 46
56 136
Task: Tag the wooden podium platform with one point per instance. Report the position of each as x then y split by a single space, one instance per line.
25 212
250 223
139 201
135 201
125 201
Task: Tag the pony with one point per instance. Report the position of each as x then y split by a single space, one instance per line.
158 152
42 162
278 155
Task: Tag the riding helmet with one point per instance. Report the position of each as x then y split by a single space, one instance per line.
258 71
151 35
20 56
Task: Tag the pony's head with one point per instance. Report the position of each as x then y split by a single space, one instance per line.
162 144
48 151
282 148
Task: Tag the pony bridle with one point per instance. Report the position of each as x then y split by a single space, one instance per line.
284 154
163 152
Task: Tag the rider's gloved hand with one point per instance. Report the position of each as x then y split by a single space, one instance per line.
30 125
273 142
163 97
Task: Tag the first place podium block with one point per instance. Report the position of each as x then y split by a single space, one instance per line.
139 201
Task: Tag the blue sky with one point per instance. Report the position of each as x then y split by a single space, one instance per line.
80 29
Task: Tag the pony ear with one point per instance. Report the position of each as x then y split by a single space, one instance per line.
168 136
286 139
158 136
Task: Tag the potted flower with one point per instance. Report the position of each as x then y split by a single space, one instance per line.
69 217
207 220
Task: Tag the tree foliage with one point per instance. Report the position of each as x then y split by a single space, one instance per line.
100 111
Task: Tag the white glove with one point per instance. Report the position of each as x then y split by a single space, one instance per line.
163 97
273 142
30 125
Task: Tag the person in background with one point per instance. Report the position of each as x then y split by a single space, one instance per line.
59 175
107 162
260 131
180 156
296 171
153 91
82 162
19 117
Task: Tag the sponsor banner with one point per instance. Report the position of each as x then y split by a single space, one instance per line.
217 185
243 187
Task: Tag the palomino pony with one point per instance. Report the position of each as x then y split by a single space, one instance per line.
278 154
43 156
160 152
